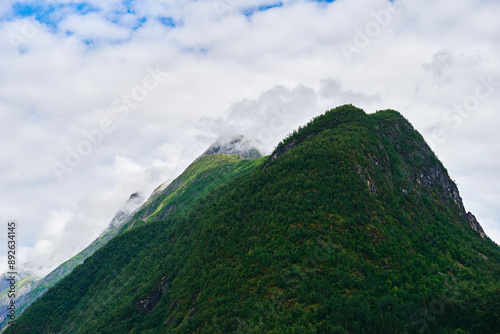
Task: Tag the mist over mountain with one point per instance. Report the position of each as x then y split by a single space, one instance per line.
237 144
132 204
29 287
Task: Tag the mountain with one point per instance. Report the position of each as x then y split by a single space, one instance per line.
235 150
239 144
30 287
5 284
224 160
351 225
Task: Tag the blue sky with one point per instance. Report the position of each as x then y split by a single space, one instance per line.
262 8
48 14
52 14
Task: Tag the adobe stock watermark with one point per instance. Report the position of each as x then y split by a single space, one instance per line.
118 111
422 319
100 304
12 276
20 39
372 29
281 119
222 7
454 118
291 279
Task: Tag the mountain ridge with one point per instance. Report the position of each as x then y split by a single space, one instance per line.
34 287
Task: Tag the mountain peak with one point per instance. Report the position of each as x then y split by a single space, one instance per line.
390 129
134 202
236 144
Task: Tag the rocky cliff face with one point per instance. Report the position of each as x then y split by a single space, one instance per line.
279 151
434 176
423 169
471 219
414 159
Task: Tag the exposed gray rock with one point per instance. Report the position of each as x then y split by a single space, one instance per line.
367 178
436 176
471 219
150 302
429 174
164 213
279 151
133 203
239 144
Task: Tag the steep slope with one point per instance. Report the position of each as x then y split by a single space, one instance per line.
208 171
352 225
34 287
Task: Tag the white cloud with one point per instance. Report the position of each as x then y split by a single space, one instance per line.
94 26
260 76
278 111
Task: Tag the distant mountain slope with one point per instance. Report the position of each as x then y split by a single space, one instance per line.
34 287
207 172
352 225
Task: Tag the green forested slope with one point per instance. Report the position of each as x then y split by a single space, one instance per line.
204 174
351 226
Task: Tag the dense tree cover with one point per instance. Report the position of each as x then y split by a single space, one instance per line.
355 229
203 175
